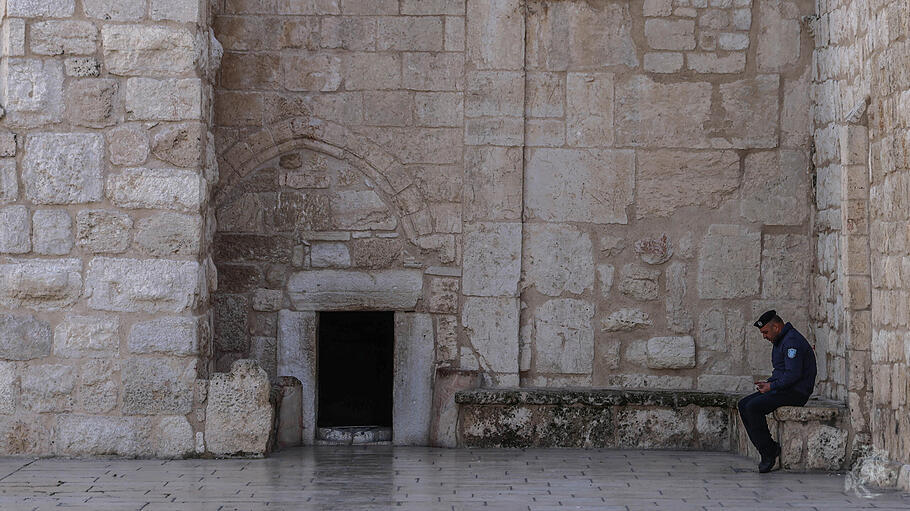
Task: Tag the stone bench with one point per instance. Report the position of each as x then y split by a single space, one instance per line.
814 436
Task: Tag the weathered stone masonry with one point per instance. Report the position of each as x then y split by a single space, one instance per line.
548 193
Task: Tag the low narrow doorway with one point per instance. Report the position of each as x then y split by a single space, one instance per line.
355 374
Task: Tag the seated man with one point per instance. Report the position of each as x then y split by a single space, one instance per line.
790 384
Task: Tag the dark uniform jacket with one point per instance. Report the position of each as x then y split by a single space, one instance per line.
794 363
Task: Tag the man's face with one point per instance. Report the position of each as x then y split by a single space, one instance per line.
770 331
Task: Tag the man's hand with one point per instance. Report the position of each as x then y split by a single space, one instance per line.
762 386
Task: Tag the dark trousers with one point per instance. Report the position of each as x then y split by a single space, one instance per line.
754 407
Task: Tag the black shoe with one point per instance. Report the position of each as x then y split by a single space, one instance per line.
767 463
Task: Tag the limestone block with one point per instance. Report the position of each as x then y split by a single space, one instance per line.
176 10
639 283
9 182
648 113
330 255
752 111
268 300
40 8
670 34
492 259
734 62
589 109
494 93
353 290
179 144
654 428
567 185
713 428
87 337
238 413
103 231
142 285
795 122
493 176
175 437
786 259
433 71
725 383
296 357
625 319
48 388
545 94
116 10
63 168
777 187
722 330
148 99
495 34
348 33
171 335
9 391
671 352
24 337
827 448
670 180
131 50
564 336
779 25
605 273
559 259
446 338
41 284
142 188
97 391
263 351
15 230
654 249
169 234
12 37
412 392
406 33
367 71
663 62
728 266
63 37
579 35
361 210
128 145
157 386
33 91
231 313
312 72
88 435
374 253
491 327
290 414
443 295
82 67
498 131
439 109
52 232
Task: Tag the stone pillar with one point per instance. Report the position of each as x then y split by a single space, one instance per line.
856 268
104 181
493 177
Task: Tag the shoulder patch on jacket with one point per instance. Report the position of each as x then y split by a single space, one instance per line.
791 353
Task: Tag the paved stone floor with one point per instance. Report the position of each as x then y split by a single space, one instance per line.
362 478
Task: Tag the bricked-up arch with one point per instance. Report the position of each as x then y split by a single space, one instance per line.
392 180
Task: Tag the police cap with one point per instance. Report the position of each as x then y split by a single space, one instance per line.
765 318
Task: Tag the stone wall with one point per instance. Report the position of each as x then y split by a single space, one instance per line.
107 165
622 200
861 136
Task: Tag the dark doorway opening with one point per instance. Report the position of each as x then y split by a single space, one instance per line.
355 368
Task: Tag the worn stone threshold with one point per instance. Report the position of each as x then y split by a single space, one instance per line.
354 435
